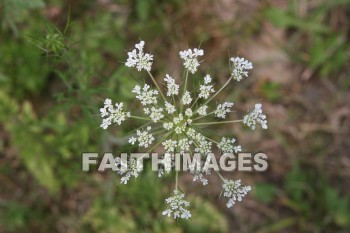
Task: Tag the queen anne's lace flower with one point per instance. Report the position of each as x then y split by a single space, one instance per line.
169 108
205 90
139 59
168 125
202 110
177 206
168 161
256 117
169 145
199 169
145 95
179 122
178 119
184 145
207 79
173 88
132 140
234 191
156 114
222 109
186 98
226 146
203 146
180 129
111 114
240 68
129 168
188 112
191 59
145 138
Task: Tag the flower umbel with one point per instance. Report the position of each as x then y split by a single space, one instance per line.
177 206
190 58
139 59
234 191
111 114
240 68
256 117
178 122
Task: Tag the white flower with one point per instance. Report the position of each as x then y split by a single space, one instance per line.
177 206
202 145
176 125
173 88
156 114
234 191
169 108
222 109
184 145
240 68
139 59
180 129
146 95
169 145
129 168
186 98
145 138
202 110
198 169
132 140
207 79
178 119
205 90
191 133
112 114
168 125
226 146
168 162
255 117
191 59
188 112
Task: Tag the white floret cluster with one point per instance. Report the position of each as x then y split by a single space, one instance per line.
112 114
178 122
256 117
234 191
177 206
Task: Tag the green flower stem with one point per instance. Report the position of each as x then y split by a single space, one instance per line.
160 141
141 118
221 177
203 116
174 103
186 78
185 89
222 88
219 122
160 91
194 102
211 140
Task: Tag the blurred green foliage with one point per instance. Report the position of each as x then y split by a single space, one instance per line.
52 79
54 73
326 47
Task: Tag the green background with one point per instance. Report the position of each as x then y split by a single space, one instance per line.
59 59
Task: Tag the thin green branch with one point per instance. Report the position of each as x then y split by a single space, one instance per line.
218 122
154 81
